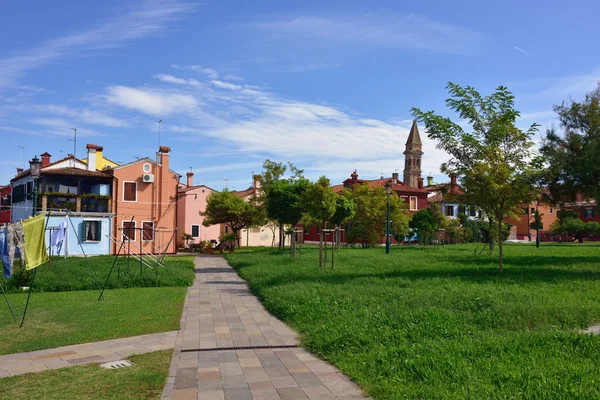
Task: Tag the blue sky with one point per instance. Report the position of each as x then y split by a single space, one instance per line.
327 85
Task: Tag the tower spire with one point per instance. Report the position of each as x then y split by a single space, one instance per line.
412 157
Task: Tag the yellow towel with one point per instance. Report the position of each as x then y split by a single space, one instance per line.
35 241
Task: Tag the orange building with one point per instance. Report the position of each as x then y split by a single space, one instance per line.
145 204
520 229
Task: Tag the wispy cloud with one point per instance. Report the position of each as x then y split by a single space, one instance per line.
150 101
209 72
390 30
148 18
251 121
572 86
521 50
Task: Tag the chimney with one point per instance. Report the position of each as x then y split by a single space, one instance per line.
46 159
394 177
257 180
430 180
354 177
91 151
420 183
164 157
452 182
190 179
19 170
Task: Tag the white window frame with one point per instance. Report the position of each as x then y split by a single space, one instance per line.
551 210
142 231
416 203
192 230
123 229
136 192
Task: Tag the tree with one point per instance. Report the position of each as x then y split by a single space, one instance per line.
425 224
368 224
537 221
227 208
572 155
319 203
495 163
569 226
344 211
280 196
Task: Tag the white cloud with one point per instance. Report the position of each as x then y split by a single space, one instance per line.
226 85
233 78
150 101
178 81
92 117
574 86
149 18
388 30
209 72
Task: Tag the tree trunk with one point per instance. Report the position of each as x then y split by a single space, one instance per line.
491 238
281 237
293 245
500 240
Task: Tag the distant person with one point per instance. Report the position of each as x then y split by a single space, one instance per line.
530 236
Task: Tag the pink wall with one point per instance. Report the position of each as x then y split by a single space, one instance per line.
191 202
155 202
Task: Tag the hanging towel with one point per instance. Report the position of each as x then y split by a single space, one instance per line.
58 236
35 241
16 239
4 253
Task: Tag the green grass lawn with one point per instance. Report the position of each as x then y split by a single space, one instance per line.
74 274
440 324
64 318
144 380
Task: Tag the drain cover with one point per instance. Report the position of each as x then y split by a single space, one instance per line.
117 364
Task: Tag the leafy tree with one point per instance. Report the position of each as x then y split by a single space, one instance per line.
368 224
569 226
537 221
227 208
572 154
319 202
281 197
495 162
425 224
344 211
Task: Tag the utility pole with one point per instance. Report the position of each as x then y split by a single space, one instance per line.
74 140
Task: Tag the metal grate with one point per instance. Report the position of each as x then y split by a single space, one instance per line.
283 346
117 364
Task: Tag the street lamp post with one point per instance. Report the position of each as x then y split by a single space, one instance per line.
537 226
388 192
35 168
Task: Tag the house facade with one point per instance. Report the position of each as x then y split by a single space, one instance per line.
191 201
443 194
68 187
144 201
5 203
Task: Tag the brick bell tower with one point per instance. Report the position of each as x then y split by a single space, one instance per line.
412 157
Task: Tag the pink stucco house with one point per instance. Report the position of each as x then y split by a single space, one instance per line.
191 201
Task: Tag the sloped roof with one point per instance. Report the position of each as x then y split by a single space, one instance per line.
245 193
44 169
440 189
396 187
189 188
72 171
413 136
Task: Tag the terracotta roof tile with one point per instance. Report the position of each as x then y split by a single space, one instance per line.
72 171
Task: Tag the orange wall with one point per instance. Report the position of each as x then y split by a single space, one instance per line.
521 228
155 202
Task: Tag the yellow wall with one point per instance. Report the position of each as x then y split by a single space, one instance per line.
102 162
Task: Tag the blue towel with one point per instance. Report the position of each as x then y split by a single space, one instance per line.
4 253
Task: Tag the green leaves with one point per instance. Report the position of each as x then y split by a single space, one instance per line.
227 208
319 200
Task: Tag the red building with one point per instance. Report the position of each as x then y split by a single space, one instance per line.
5 203
411 190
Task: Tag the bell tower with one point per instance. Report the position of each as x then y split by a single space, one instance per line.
412 157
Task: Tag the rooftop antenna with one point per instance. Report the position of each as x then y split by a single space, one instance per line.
61 154
74 140
159 122
23 148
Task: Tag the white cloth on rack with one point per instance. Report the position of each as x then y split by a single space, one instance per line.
58 236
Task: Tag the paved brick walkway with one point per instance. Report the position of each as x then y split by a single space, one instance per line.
97 352
221 312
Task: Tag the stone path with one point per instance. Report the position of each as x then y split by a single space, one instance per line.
97 352
221 312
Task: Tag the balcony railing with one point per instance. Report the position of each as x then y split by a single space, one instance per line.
75 203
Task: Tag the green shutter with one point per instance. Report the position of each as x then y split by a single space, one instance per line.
99 231
82 237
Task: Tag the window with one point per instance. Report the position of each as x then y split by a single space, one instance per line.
196 231
129 230
226 229
413 202
526 210
472 211
29 190
91 231
551 210
129 191
532 211
147 231
588 213
450 211
462 210
5 203
18 193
